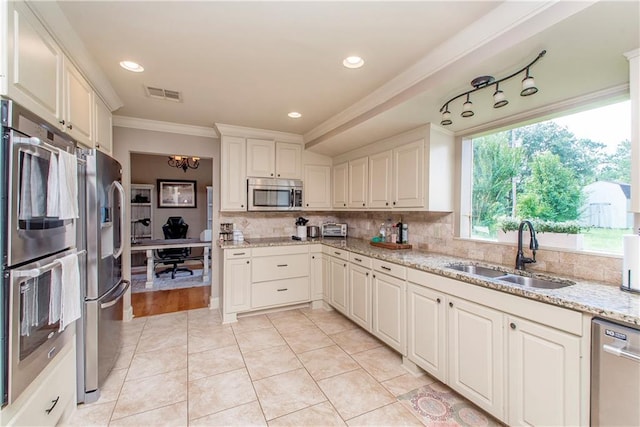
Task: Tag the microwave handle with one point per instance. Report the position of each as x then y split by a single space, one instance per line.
120 189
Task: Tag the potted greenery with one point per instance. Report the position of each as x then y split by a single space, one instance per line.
552 234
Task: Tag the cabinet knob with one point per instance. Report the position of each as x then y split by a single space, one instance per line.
374 276
394 203
242 206
62 122
247 262
386 203
313 257
363 204
70 126
438 300
271 174
344 265
450 304
344 204
307 204
512 325
367 273
97 145
278 175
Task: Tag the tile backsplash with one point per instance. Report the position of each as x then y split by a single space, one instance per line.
434 232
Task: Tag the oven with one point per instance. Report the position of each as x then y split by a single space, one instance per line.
28 152
271 194
34 336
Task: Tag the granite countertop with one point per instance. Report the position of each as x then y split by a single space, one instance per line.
589 297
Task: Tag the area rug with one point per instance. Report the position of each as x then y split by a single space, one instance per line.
438 405
165 282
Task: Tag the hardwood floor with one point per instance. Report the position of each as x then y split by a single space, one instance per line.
158 302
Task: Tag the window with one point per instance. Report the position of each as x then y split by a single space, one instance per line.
570 174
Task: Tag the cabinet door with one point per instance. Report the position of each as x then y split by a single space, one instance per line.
360 295
317 187
315 275
209 208
339 290
233 179
326 278
261 160
427 330
340 183
237 285
35 64
544 375
358 182
380 182
476 368
408 175
103 126
288 160
389 315
78 101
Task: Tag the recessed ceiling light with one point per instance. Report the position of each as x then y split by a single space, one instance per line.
353 62
294 115
132 66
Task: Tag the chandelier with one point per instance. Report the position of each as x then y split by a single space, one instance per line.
499 98
184 162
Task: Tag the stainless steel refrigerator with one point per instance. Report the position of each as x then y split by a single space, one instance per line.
99 332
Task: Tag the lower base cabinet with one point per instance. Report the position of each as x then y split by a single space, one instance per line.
476 348
360 296
544 375
339 289
389 316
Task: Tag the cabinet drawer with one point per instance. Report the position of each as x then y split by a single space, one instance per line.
237 253
59 384
281 250
391 269
339 253
360 260
278 267
280 292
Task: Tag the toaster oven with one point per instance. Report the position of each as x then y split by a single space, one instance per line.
334 230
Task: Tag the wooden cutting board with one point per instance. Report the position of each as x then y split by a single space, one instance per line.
392 246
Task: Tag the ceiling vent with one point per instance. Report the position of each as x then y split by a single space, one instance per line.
166 94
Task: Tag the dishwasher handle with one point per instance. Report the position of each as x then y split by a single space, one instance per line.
621 352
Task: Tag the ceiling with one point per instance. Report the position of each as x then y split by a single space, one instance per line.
250 63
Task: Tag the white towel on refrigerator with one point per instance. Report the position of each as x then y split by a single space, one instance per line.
70 295
53 188
24 211
55 295
68 184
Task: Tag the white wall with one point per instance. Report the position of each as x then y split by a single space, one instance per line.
128 140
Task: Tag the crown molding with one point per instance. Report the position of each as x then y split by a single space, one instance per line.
247 132
167 127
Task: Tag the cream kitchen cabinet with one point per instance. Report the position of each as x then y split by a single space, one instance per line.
233 177
358 185
338 279
340 185
326 277
476 346
317 187
380 180
409 176
279 276
43 80
389 302
316 270
236 283
102 126
271 159
426 330
360 302
544 375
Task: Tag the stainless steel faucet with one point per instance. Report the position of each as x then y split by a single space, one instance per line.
521 260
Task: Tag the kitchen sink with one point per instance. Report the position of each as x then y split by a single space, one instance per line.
534 282
476 270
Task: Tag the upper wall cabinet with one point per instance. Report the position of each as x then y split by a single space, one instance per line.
103 126
317 187
358 176
340 185
43 80
233 176
271 159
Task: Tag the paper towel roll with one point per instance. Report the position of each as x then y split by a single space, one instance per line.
631 262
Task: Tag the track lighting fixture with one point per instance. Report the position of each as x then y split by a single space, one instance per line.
499 98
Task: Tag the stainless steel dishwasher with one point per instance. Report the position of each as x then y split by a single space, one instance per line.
615 374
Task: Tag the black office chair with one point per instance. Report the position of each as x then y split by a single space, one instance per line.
175 228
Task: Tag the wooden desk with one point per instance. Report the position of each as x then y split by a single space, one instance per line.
149 245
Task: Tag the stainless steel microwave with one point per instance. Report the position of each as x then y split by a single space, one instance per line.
270 194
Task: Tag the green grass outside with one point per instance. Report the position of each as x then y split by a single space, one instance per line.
607 240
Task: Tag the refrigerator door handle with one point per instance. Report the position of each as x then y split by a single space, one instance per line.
118 186
113 301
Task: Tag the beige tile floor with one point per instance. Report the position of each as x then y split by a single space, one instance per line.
291 368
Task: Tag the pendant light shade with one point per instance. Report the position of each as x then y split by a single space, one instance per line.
499 97
446 117
467 110
528 85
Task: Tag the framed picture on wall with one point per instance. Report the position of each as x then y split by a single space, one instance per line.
177 193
